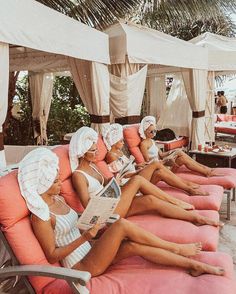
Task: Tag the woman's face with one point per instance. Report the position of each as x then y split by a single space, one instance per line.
119 144
91 154
56 187
150 132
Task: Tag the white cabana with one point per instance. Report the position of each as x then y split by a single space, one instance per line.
132 46
221 60
40 39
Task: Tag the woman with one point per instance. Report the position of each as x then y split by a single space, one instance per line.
154 172
55 226
88 182
174 158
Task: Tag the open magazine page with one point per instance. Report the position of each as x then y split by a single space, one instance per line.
101 206
128 167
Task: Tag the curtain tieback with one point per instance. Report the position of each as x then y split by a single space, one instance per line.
99 119
197 114
1 141
131 119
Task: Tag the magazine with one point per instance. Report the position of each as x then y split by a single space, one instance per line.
101 206
128 167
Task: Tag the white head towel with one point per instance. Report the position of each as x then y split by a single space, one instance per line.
112 135
37 172
146 122
80 143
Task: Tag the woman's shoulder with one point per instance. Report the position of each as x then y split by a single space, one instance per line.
110 157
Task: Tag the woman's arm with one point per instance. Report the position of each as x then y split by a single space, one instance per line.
43 231
81 187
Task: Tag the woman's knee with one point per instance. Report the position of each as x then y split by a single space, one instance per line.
156 164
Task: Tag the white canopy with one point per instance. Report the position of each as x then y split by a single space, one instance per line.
27 23
148 46
222 51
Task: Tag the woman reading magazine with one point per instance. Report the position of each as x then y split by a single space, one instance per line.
88 182
55 226
154 171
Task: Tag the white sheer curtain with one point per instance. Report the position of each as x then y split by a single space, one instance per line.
92 82
177 114
127 90
210 108
4 81
195 82
41 86
156 94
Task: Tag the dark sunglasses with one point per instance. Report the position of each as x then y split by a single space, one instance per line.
153 132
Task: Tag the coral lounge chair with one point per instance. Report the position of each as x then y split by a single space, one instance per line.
131 275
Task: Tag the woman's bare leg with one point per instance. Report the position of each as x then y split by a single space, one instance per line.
150 204
142 243
138 183
156 171
191 164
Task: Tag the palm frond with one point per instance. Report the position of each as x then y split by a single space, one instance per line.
96 13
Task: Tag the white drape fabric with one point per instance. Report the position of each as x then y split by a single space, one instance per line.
195 82
41 87
177 114
37 172
210 108
127 93
4 82
92 82
156 94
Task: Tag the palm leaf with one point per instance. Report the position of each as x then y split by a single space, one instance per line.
96 13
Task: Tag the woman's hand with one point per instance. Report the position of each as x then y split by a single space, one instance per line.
91 233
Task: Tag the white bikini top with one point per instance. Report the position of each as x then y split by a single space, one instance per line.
94 186
153 151
116 165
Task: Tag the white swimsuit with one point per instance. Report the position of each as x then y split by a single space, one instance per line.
94 186
153 151
66 231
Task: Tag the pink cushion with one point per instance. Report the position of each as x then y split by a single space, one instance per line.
27 249
227 181
57 287
133 140
71 197
102 149
12 204
225 130
181 231
62 152
211 202
136 275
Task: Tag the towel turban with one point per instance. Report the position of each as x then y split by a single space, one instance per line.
80 143
146 122
112 135
37 172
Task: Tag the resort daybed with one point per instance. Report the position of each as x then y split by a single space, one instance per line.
225 124
132 275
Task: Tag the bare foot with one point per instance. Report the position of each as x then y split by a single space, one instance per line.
207 269
202 220
185 205
199 192
213 173
189 249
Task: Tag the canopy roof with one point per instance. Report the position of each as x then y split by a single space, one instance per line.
27 23
222 51
144 45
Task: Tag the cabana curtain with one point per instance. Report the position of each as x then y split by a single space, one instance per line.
177 114
156 94
127 93
195 82
210 108
4 81
41 86
92 82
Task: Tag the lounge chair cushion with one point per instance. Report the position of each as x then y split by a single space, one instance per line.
227 180
162 280
64 163
211 202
